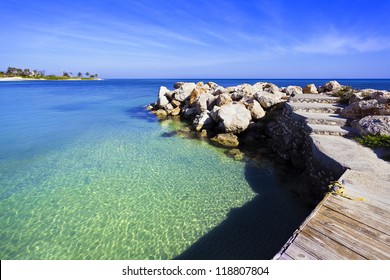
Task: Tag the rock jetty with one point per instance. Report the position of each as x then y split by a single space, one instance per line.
239 114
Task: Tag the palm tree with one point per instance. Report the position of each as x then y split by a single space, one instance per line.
87 74
26 72
79 74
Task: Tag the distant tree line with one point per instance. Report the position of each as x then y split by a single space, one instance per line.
27 73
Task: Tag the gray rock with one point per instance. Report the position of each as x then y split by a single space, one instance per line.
184 91
310 88
178 85
355 97
224 99
243 91
374 125
219 90
268 99
332 85
203 121
364 108
211 101
257 112
235 118
205 101
214 113
268 87
191 112
162 100
226 139
213 86
293 90
382 96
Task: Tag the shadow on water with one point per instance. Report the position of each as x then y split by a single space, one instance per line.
141 113
258 229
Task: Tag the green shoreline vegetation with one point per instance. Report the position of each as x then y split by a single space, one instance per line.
14 72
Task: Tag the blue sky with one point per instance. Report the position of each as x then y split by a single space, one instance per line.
199 38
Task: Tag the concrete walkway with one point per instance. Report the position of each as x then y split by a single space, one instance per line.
343 227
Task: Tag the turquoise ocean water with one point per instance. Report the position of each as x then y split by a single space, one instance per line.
87 173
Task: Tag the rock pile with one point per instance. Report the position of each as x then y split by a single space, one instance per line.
222 113
370 110
226 114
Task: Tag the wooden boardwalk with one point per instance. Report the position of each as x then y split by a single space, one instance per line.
340 228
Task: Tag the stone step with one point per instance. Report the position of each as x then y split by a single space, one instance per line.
316 107
321 129
322 118
314 98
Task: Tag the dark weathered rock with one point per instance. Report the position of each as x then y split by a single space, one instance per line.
191 112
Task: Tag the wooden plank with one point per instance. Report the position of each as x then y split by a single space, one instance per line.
322 247
361 211
357 226
350 238
298 253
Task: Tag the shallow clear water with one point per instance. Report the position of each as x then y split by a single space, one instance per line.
87 173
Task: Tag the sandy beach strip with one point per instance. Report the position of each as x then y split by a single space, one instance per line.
17 79
20 79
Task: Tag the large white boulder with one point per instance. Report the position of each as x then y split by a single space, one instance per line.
310 88
332 85
268 99
257 112
183 91
162 100
293 90
235 118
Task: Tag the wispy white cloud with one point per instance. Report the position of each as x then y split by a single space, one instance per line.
337 44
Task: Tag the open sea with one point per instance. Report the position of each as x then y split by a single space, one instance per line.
87 173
